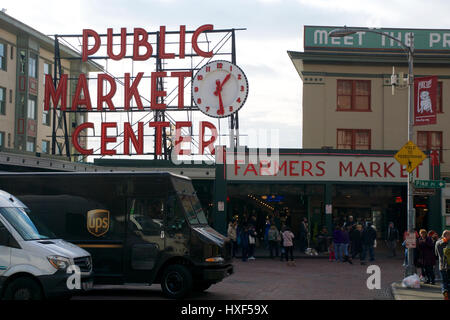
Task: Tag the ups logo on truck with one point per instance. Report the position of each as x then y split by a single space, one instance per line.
98 222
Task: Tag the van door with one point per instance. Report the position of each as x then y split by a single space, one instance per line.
5 250
145 238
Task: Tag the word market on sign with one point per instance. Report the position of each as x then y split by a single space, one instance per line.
142 50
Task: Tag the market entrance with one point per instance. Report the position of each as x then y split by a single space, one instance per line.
284 203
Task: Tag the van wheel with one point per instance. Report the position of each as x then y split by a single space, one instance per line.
176 281
201 286
23 289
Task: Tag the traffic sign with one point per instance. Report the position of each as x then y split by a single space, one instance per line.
410 240
410 156
432 184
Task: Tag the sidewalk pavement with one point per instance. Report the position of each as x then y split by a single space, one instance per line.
425 292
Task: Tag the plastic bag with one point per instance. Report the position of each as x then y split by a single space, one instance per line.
411 281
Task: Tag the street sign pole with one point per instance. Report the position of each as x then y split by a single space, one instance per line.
410 269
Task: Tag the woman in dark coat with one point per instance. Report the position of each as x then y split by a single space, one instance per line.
425 256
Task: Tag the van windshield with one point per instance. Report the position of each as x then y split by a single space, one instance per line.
28 227
193 209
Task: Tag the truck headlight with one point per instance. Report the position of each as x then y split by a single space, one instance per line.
215 259
59 262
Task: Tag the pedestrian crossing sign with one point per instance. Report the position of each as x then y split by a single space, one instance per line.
410 156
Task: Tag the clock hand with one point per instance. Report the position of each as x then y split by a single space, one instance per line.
221 109
225 80
218 88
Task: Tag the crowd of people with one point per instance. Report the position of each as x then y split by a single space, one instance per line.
349 240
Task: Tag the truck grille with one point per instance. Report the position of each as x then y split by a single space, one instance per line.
84 263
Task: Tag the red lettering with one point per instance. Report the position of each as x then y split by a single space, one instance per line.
110 43
306 169
155 93
132 91
195 36
387 171
138 142
277 168
139 43
179 139
105 139
85 52
348 168
263 169
236 166
162 45
373 170
75 135
320 168
159 125
182 42
250 168
86 99
56 95
403 172
181 76
292 168
209 143
108 97
361 169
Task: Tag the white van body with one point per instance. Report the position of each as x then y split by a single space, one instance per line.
37 268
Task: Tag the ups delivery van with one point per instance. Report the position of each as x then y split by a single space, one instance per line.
143 227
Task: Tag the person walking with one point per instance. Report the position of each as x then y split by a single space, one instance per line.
346 245
368 237
425 256
266 232
303 235
323 240
337 243
435 237
232 235
274 238
243 234
356 241
443 252
251 242
392 238
288 244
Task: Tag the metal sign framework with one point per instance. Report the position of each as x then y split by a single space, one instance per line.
222 39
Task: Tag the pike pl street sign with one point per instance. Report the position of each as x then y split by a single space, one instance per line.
431 184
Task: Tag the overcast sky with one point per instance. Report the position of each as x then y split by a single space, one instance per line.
273 28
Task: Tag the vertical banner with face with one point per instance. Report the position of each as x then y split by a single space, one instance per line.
425 102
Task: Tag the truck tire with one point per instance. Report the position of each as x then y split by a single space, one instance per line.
201 286
176 281
23 289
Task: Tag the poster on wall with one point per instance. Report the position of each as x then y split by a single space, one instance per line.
425 101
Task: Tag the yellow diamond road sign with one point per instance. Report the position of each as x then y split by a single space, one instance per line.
410 156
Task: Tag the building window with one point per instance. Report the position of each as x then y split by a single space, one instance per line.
31 143
2 139
353 139
45 146
2 101
439 107
32 62
10 96
2 56
353 95
430 140
31 110
47 70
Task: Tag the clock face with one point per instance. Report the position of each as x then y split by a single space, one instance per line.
219 89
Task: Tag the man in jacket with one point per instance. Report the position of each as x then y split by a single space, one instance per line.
392 237
368 238
442 251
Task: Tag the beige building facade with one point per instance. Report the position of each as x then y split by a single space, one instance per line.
348 102
26 56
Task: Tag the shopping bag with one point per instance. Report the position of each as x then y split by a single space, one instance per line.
411 282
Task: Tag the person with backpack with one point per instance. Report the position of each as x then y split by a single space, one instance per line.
273 236
368 237
443 252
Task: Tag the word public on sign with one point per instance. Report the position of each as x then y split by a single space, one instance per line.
425 101
142 49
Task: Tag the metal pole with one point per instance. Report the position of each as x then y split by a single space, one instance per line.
410 269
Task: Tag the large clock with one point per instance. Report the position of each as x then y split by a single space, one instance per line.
219 88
